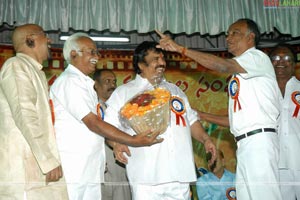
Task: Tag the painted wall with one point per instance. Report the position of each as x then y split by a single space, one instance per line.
206 90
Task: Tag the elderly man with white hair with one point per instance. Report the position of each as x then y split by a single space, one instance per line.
80 132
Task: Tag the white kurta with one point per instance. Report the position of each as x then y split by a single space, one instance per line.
82 151
289 128
259 98
170 161
27 143
289 137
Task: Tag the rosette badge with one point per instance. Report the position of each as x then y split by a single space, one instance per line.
149 110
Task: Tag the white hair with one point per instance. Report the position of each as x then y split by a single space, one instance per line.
72 44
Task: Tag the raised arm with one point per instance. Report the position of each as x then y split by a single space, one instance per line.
205 59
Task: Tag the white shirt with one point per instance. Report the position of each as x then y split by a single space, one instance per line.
74 98
289 129
259 94
170 161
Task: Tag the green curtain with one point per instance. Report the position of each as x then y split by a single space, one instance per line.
202 16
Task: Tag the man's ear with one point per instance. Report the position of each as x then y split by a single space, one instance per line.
252 37
30 42
141 66
73 54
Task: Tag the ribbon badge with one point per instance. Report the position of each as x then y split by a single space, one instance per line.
52 111
177 107
231 193
100 111
234 87
296 99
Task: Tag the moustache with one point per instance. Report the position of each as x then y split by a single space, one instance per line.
111 89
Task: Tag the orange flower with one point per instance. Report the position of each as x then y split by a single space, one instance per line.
145 102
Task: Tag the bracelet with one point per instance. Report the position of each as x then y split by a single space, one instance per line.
183 51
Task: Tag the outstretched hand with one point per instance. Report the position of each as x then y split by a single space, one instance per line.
147 138
166 43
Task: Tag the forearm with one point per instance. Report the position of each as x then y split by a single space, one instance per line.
198 132
200 135
111 133
216 119
209 61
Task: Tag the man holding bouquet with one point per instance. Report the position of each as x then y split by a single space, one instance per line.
162 171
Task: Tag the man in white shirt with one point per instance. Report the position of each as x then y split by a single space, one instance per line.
254 107
161 171
283 60
80 133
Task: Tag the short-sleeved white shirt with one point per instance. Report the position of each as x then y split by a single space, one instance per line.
259 94
289 128
74 98
170 161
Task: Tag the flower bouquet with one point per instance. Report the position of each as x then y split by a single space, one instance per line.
149 110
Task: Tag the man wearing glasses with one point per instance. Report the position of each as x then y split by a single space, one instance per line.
29 160
116 184
80 132
283 60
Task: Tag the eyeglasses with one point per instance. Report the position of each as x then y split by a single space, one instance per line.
92 52
278 58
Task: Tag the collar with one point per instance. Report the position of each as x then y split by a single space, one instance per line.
74 70
143 82
30 59
250 49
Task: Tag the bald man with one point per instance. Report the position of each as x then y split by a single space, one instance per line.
30 167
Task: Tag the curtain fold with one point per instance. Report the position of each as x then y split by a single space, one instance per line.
190 16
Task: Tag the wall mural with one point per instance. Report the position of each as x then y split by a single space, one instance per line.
206 90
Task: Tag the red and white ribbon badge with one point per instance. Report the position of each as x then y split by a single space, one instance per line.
52 111
100 111
177 107
296 99
234 88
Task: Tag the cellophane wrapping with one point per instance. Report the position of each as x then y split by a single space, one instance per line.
149 110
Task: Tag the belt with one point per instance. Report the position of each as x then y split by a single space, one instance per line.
240 137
